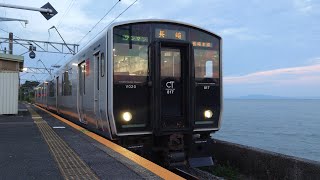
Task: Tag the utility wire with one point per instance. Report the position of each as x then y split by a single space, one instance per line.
108 25
9 32
99 21
60 59
66 12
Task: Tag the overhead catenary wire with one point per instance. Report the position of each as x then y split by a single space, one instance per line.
9 32
108 25
99 21
65 13
60 60
19 38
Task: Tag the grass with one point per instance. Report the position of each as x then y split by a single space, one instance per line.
225 171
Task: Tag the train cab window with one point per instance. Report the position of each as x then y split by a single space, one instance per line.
206 55
206 63
130 53
130 62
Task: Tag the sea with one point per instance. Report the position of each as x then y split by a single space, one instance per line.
287 126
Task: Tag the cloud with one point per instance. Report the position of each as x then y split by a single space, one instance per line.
296 75
315 60
303 6
242 33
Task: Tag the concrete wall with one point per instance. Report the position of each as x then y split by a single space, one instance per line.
262 164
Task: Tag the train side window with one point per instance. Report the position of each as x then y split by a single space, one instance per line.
102 59
82 74
57 86
96 70
51 89
62 85
66 85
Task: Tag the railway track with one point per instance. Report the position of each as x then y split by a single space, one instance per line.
183 173
194 173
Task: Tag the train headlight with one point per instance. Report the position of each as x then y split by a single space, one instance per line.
208 114
127 116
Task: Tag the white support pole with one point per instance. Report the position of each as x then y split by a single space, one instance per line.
26 8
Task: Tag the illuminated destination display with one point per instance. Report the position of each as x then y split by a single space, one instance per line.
126 37
201 44
170 34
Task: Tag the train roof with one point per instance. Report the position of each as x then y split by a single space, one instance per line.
159 21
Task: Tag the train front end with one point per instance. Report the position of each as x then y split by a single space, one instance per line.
165 86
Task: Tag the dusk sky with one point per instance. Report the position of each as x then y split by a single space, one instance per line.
269 47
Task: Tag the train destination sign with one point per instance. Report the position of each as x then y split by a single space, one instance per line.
201 44
170 34
126 37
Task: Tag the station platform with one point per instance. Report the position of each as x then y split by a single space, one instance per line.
36 144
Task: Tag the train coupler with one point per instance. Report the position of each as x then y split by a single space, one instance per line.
175 159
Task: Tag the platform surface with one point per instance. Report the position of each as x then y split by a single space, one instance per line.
35 145
23 151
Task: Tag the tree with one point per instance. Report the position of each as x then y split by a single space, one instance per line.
26 92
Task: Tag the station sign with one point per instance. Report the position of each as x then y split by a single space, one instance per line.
32 55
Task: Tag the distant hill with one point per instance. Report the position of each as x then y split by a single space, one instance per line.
262 96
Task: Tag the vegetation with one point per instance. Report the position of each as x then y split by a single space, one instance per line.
26 92
225 171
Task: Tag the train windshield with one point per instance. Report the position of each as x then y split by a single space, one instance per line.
130 53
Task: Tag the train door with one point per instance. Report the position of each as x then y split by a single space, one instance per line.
57 94
97 82
172 77
82 90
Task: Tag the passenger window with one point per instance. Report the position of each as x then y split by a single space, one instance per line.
82 75
66 84
102 65
97 71
51 89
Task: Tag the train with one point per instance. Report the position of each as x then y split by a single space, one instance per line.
153 86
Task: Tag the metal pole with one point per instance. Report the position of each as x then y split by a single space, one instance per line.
26 8
10 43
72 52
13 19
45 66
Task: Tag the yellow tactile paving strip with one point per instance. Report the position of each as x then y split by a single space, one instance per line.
69 163
156 169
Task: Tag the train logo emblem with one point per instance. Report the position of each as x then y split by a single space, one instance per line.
170 87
